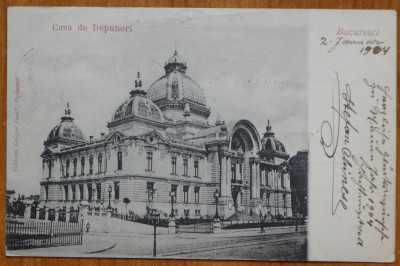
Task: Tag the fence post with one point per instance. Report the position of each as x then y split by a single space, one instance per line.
51 231
81 231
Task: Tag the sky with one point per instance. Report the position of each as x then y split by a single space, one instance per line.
251 64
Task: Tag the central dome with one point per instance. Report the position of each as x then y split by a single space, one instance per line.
172 91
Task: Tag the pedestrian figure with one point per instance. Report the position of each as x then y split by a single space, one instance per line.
262 225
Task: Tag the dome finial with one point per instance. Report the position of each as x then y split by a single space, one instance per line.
138 81
67 111
269 127
218 121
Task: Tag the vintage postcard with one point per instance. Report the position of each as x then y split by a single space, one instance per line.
229 134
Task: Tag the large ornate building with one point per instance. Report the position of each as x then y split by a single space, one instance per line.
160 140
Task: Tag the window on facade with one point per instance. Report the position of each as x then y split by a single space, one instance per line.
197 194
186 193
150 191
150 161
82 165
67 168
266 178
91 165
65 192
185 167
196 168
98 190
46 192
90 191
81 191
240 171
62 170
284 200
49 166
99 163
119 154
116 190
174 188
75 165
73 192
282 180
173 164
233 171
186 212
261 178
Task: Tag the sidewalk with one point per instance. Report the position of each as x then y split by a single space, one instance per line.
91 245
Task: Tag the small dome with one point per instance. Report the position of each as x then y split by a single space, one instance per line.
138 106
176 59
270 143
66 130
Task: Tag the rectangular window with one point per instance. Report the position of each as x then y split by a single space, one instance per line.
174 188
90 191
49 166
150 191
268 197
73 192
266 178
150 161
116 190
46 192
185 193
282 180
81 191
186 212
185 167
233 171
75 165
62 170
173 163
67 168
284 200
98 190
119 154
82 165
65 192
196 168
197 194
240 171
90 165
99 163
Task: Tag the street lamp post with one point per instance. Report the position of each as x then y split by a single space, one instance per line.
216 221
171 223
109 197
216 196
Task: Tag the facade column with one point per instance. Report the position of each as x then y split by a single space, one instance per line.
253 180
228 176
263 181
37 212
27 213
204 175
238 177
57 211
223 175
258 180
67 214
46 214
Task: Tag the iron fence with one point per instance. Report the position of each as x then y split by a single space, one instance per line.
34 234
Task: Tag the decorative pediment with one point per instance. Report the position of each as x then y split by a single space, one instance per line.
153 138
116 137
48 152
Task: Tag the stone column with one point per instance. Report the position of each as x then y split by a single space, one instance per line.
223 176
37 212
253 180
263 182
204 174
46 214
238 177
56 214
27 213
258 180
67 214
228 176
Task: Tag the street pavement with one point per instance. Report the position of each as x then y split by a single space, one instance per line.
280 243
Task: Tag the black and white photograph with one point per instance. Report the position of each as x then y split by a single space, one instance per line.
158 133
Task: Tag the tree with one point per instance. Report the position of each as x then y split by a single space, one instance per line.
126 201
